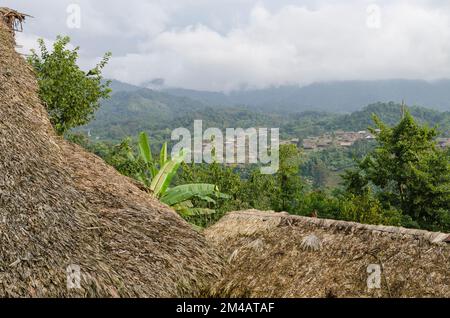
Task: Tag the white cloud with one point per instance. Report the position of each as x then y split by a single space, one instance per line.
298 45
196 44
27 42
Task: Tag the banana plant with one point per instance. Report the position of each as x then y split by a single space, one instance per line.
168 170
150 170
158 181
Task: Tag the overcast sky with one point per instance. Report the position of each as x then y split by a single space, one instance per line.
230 44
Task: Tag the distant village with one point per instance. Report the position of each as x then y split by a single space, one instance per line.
342 139
338 138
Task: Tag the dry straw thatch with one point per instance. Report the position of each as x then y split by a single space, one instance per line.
277 255
61 206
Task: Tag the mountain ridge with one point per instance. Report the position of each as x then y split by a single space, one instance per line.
343 96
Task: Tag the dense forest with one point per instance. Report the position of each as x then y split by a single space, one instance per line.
132 109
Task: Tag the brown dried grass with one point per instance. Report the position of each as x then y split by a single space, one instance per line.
60 206
276 255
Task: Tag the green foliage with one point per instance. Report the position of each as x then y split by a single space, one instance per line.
362 208
120 158
70 95
403 181
250 188
158 180
130 111
408 172
167 172
149 169
261 192
288 180
318 203
181 199
390 114
228 181
187 192
367 209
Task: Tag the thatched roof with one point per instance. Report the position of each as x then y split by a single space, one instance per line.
277 255
61 206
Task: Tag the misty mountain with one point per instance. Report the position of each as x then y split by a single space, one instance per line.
338 97
132 109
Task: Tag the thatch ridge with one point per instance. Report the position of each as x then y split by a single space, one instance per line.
60 205
280 255
336 225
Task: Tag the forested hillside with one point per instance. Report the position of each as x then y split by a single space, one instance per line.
132 109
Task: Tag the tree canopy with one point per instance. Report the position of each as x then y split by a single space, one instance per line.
70 95
407 171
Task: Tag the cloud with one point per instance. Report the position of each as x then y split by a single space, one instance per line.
232 44
298 45
28 42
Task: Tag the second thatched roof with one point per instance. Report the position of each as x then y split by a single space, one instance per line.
278 255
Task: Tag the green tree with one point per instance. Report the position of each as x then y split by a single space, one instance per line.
70 95
365 208
409 172
289 181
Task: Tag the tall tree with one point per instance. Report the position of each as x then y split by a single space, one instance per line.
408 171
70 95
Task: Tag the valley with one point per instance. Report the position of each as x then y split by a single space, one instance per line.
329 141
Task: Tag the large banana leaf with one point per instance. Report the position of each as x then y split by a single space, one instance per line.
144 147
207 199
163 158
162 180
147 157
188 191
